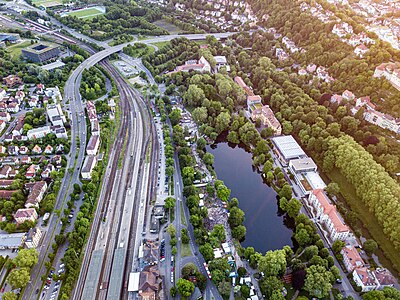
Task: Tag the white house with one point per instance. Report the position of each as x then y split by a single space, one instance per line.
93 145
365 279
327 215
38 133
88 166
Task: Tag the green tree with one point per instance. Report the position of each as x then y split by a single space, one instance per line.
194 96
170 203
273 263
201 143
333 188
18 278
207 251
224 287
208 159
245 291
175 116
222 122
370 246
239 232
185 287
188 270
293 207
236 217
9 296
173 291
171 230
223 192
337 246
318 281
26 258
269 284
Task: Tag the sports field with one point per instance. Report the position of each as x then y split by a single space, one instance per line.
87 12
47 3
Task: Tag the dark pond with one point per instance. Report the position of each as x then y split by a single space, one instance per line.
265 226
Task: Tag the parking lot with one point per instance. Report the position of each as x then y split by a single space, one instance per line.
126 69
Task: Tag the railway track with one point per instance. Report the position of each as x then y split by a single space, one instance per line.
127 94
104 200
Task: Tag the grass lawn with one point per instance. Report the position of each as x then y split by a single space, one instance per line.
16 50
86 13
388 255
171 28
161 44
183 220
44 2
185 250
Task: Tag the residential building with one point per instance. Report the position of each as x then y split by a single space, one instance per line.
348 95
286 148
41 52
48 150
327 215
150 283
23 150
55 114
10 161
25 160
19 127
239 81
336 99
33 237
5 171
3 93
2 125
202 65
360 50
25 214
391 71
6 183
36 193
47 171
351 258
59 131
7 194
382 120
365 279
384 278
93 145
253 102
12 80
221 62
95 127
88 166
5 116
38 133
11 241
13 150
31 171
306 175
267 117
36 150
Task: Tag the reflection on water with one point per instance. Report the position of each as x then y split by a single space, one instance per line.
266 229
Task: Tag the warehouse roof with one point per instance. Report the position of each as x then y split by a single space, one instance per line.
288 147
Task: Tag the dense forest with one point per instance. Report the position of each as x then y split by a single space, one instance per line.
120 19
324 48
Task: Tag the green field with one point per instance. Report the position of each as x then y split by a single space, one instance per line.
160 45
185 250
171 28
16 50
47 3
86 13
388 254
